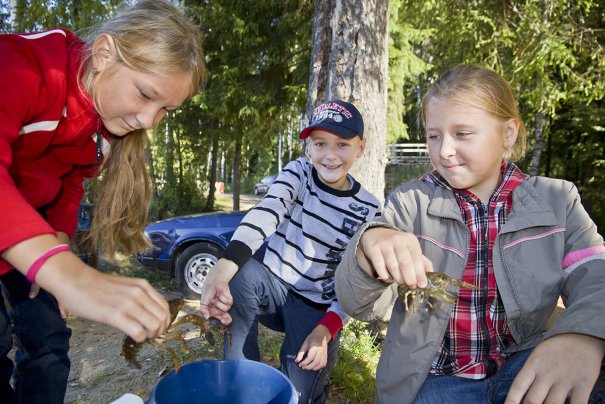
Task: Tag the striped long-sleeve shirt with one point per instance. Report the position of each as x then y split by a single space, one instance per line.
308 226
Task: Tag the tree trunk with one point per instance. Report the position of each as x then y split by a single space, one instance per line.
151 169
535 158
179 157
170 180
212 175
77 4
16 15
350 61
237 162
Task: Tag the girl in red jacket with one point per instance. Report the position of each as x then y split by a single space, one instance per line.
70 108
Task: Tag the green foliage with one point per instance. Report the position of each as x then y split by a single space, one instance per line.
258 67
551 52
404 69
257 58
354 375
37 15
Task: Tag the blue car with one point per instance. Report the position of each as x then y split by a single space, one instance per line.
187 247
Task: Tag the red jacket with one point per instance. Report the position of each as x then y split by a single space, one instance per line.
47 135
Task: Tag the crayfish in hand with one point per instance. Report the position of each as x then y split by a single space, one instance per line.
130 347
436 289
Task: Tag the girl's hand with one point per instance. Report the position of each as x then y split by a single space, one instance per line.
566 365
216 299
128 304
315 347
33 292
393 256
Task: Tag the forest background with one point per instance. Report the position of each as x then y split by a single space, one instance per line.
245 124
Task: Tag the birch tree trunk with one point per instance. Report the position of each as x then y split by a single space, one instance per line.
151 169
537 153
350 61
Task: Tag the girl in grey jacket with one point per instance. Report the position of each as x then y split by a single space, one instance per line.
521 241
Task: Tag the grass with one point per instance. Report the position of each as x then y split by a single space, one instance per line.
225 202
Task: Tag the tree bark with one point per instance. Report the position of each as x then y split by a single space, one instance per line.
212 175
151 168
537 153
237 163
350 61
170 179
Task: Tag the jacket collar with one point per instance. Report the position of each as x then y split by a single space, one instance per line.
443 204
529 209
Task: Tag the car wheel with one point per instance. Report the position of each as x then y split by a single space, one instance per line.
192 267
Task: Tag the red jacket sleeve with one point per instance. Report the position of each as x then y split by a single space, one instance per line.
21 81
62 214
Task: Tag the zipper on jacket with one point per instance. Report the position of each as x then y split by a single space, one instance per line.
512 288
99 140
484 274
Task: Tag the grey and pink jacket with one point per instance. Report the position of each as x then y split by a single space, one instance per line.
548 248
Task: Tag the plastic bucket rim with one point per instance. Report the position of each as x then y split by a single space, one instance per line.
291 388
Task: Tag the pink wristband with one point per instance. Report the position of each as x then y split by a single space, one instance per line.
33 270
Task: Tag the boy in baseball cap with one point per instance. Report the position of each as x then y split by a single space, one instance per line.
308 216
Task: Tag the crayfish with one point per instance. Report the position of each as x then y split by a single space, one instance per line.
130 347
436 289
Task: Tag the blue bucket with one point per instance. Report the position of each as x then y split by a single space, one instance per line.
229 381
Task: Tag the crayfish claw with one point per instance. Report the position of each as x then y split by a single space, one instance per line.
210 338
130 348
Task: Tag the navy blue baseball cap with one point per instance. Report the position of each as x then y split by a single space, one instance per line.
337 117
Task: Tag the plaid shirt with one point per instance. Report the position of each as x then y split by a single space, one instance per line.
477 333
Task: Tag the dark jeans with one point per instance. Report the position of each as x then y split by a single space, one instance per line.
42 362
493 390
260 296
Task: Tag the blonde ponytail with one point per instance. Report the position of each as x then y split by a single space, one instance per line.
123 198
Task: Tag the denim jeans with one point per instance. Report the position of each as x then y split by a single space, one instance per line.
453 389
493 390
260 296
42 361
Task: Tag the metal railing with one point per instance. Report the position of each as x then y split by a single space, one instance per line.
408 153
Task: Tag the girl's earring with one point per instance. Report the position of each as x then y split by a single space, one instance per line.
94 71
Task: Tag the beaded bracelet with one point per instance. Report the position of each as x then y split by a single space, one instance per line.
35 267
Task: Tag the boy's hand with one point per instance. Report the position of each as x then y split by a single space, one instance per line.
315 347
566 365
393 256
216 299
